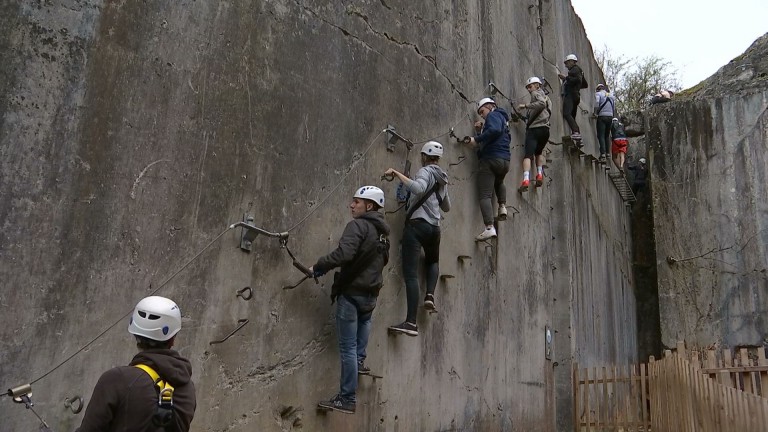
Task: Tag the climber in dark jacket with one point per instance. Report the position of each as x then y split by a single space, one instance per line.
362 253
572 96
493 154
640 175
125 397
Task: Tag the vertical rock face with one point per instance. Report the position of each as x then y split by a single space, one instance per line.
708 169
134 133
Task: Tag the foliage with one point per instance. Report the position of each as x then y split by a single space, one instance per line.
634 81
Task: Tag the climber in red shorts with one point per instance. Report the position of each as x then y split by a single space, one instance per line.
619 144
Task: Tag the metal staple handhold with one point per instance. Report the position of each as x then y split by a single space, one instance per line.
242 322
241 293
75 404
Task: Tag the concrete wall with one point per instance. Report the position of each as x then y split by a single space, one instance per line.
134 133
708 169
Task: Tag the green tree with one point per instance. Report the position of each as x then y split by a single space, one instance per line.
634 81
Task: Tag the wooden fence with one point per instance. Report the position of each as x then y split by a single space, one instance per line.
686 391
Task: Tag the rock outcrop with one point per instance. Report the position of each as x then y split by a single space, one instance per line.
709 158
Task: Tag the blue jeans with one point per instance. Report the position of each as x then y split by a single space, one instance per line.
419 234
353 325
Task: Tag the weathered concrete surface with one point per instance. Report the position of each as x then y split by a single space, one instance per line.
133 133
708 168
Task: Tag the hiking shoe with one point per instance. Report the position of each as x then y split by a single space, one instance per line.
601 159
429 302
338 404
502 212
539 179
524 186
362 369
487 233
407 328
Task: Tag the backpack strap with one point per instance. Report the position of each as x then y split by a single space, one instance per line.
163 415
422 200
607 99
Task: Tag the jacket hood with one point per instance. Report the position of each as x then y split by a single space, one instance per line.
440 175
377 218
503 112
169 364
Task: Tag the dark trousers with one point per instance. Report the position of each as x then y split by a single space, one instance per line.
419 234
604 133
535 141
490 178
570 105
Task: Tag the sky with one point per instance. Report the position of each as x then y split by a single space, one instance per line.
696 36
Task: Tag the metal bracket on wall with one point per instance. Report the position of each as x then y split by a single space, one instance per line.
548 339
393 137
242 322
247 236
249 233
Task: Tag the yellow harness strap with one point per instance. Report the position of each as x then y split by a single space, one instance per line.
166 390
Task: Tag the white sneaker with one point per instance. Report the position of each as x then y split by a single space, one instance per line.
488 233
502 212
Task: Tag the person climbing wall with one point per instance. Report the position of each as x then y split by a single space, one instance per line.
493 154
604 112
640 175
428 194
619 144
362 253
572 85
126 397
539 110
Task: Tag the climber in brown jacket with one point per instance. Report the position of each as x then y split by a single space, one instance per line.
126 397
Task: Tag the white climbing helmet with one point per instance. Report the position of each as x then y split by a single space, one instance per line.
371 193
615 120
600 86
156 318
484 101
642 160
533 80
432 148
571 57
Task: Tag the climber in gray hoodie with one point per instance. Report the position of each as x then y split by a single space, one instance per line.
428 194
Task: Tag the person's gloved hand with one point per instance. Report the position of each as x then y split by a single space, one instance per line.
316 273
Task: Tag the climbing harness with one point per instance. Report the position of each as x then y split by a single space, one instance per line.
163 415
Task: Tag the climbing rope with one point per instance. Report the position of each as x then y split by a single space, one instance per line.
119 320
332 191
446 133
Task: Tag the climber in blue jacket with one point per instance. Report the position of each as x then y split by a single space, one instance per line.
492 147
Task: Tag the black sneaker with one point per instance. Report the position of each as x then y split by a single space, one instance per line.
362 369
408 328
429 302
338 404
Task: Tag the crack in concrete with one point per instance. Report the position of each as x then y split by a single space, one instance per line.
432 60
270 374
344 31
356 12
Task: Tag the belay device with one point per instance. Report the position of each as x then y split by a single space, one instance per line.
163 416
